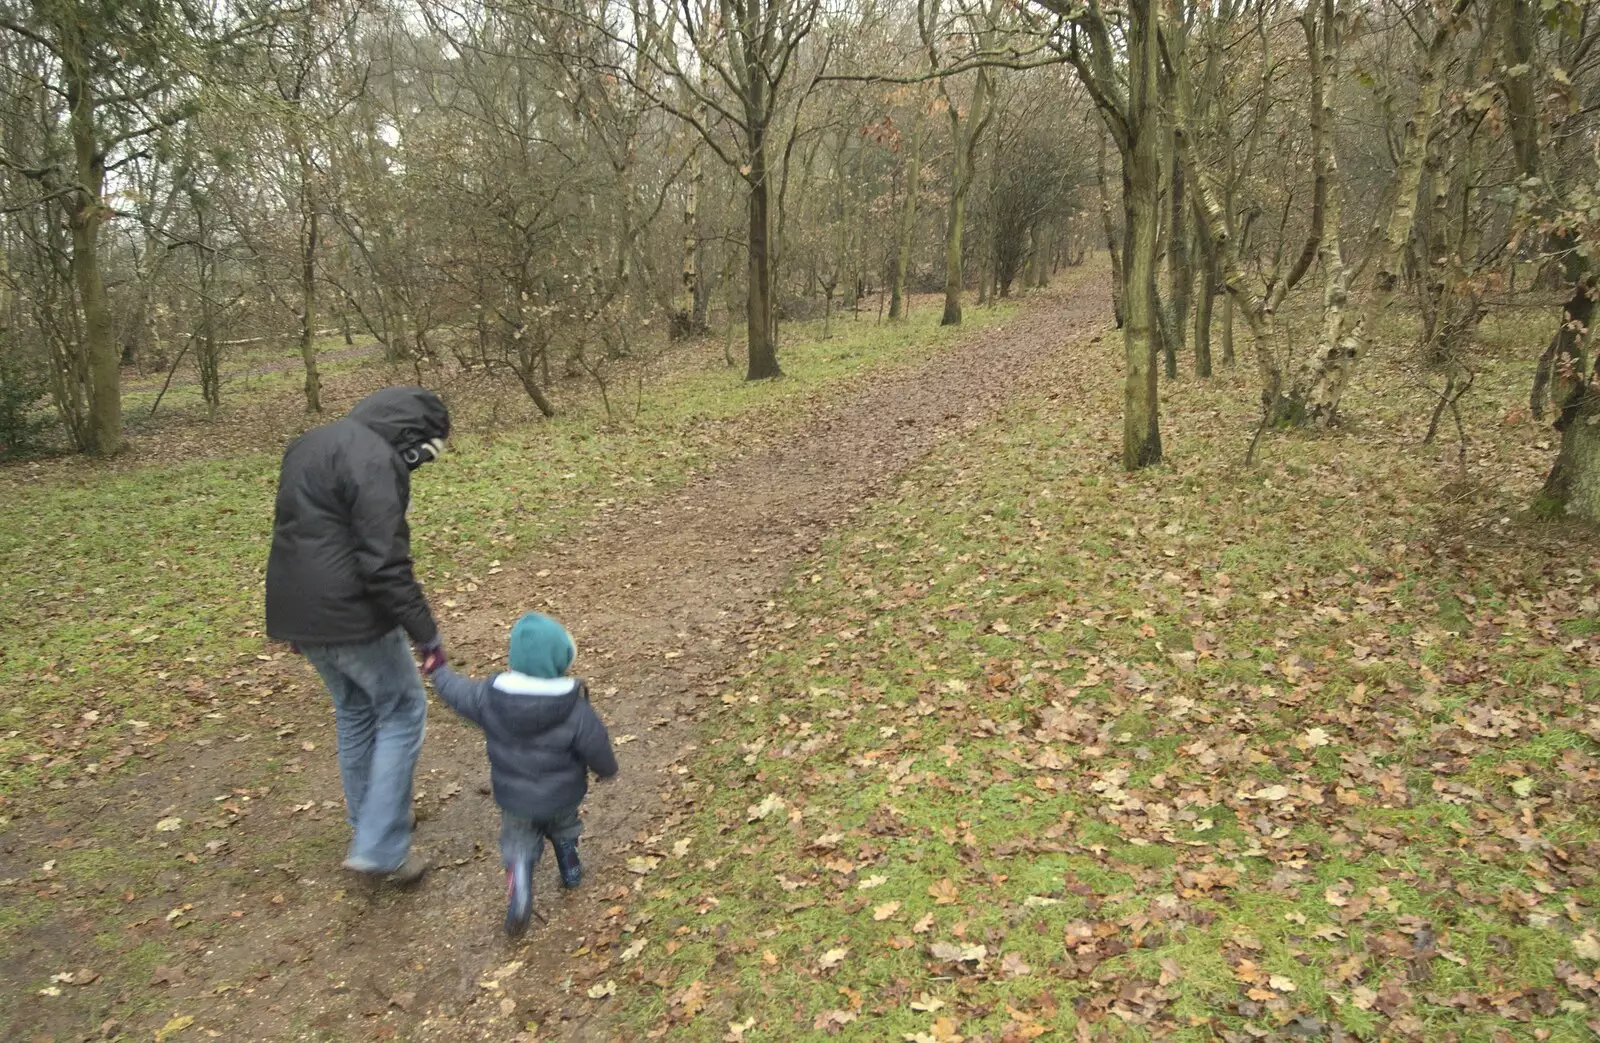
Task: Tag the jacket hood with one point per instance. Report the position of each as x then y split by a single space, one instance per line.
404 417
530 705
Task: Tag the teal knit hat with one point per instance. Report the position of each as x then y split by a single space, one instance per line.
541 647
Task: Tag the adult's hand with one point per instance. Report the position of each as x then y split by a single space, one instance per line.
432 655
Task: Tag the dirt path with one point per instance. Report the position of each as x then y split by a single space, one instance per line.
664 600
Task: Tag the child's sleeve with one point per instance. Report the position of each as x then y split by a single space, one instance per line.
462 694
593 742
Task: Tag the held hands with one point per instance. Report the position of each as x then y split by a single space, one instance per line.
432 655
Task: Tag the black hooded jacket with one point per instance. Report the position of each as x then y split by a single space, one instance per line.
340 567
543 737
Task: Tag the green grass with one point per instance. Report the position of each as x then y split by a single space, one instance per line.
132 594
1171 796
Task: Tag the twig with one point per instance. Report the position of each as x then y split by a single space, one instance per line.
1266 417
175 363
1461 430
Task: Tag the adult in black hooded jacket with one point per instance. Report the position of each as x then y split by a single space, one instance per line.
340 586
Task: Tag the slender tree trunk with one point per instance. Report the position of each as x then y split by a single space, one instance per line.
207 354
690 321
308 315
1043 251
908 224
309 232
985 271
1203 307
1227 329
759 318
954 226
1109 225
104 428
1180 273
1141 192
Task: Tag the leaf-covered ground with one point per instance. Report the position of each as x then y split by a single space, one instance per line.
1030 748
1299 751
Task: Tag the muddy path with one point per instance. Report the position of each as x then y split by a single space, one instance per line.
665 598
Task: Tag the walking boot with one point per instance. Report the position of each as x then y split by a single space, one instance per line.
567 862
519 897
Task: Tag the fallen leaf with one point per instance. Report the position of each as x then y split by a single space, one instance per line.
944 892
643 865
942 1031
1270 793
634 948
1012 965
770 803
173 1027
926 1003
692 1000
872 881
924 925
169 825
607 988
1587 945
737 1029
830 1021
832 958
1281 983
953 953
1313 738
886 910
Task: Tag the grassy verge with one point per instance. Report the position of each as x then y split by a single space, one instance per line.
1205 753
129 596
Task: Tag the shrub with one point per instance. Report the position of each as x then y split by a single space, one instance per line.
20 423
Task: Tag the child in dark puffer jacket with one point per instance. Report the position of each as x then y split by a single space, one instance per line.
544 738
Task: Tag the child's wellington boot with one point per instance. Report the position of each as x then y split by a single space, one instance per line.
519 897
567 862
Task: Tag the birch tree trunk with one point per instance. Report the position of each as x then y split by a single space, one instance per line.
1320 387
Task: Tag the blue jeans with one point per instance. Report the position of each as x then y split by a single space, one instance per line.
380 709
522 839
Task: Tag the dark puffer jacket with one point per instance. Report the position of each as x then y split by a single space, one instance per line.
339 571
544 738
